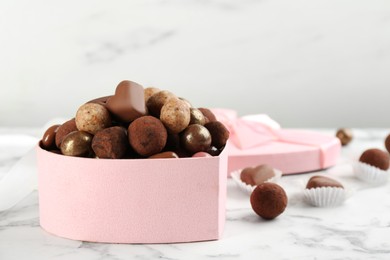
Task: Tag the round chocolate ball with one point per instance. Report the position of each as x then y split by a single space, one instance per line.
344 135
110 143
219 133
63 130
197 117
387 143
157 101
92 117
150 91
77 143
196 138
49 138
268 200
147 135
175 115
209 116
376 157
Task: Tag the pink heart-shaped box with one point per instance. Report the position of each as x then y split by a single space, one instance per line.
132 200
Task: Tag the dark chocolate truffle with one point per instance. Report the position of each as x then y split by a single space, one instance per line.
377 158
219 134
147 135
110 143
209 116
65 129
196 138
268 200
128 103
322 181
257 175
49 137
344 135
387 143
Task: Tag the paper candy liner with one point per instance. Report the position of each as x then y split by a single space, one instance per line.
325 196
236 176
370 174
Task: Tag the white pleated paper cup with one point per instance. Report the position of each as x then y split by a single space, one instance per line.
370 174
236 176
325 196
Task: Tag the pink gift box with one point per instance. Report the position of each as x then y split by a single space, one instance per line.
132 200
257 139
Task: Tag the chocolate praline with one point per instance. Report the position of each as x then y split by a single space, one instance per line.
219 133
268 200
376 157
322 181
196 138
110 143
65 129
257 175
49 138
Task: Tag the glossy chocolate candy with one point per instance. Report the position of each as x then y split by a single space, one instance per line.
49 138
196 138
77 143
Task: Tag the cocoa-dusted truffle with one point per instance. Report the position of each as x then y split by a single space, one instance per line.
65 129
209 116
257 175
147 135
128 103
268 200
319 181
92 117
157 101
49 137
387 143
344 135
110 143
219 133
196 138
377 158
77 143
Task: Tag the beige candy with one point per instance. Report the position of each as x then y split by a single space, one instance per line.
157 101
197 117
148 92
92 117
175 115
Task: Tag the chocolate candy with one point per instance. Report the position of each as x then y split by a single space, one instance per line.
219 133
322 181
345 135
65 129
213 151
196 138
209 116
201 154
157 101
101 101
268 200
175 115
188 103
387 143
77 143
110 143
196 117
148 92
128 103
147 135
49 138
376 158
257 175
165 155
92 117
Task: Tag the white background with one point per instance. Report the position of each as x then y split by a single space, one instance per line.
305 63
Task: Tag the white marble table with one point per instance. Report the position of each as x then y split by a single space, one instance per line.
359 229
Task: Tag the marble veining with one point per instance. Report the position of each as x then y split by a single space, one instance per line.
358 229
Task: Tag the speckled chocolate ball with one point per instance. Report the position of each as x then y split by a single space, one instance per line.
209 116
49 138
157 101
197 117
175 115
188 103
268 200
344 135
147 135
377 158
387 143
77 143
219 133
150 91
65 129
196 138
92 117
319 181
257 175
110 143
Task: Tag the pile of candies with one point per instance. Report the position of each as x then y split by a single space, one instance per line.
138 123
